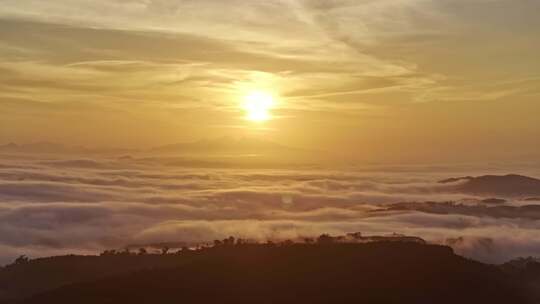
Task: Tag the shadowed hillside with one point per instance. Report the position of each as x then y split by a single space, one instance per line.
325 272
25 278
525 272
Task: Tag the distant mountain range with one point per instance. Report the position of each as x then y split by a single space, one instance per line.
511 185
39 147
223 145
56 148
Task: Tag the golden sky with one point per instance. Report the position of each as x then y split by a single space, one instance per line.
384 80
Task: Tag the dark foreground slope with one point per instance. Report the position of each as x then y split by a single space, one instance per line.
21 280
326 273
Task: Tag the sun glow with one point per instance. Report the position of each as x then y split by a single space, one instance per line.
257 105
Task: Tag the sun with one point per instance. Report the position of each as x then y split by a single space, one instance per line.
257 105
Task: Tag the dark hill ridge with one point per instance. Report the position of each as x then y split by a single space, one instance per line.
511 185
531 212
378 272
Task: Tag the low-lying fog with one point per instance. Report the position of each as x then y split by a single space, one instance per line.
51 206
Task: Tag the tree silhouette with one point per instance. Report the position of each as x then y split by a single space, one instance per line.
23 259
325 239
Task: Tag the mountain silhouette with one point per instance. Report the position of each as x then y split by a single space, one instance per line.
325 272
511 185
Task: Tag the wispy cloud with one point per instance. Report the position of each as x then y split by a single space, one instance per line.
336 66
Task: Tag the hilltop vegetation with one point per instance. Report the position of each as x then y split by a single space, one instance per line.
326 270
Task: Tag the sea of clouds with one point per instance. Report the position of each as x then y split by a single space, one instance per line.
52 206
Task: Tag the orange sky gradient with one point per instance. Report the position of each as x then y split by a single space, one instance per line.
378 81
